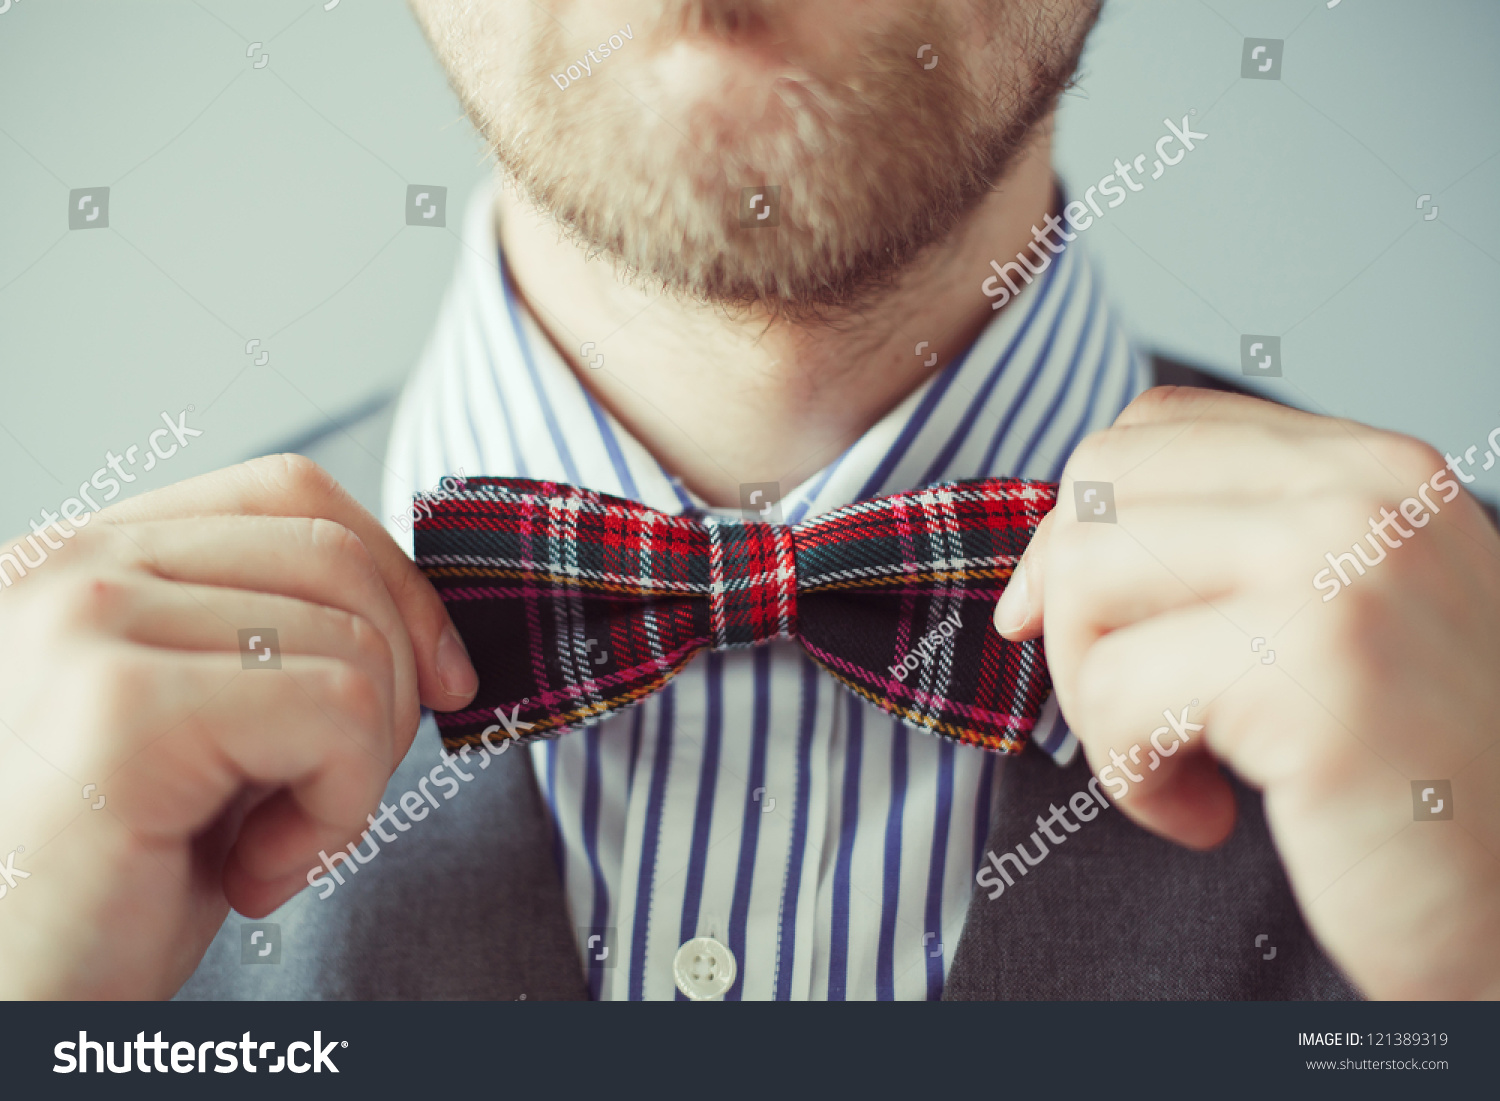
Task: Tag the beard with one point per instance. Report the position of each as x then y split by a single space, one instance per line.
875 156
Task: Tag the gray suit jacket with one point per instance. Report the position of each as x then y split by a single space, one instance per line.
472 906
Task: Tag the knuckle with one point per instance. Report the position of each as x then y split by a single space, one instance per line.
370 643
1413 460
119 542
1086 457
343 546
329 535
297 475
86 603
1151 401
1361 613
356 694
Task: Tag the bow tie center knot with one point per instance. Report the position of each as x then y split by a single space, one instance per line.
752 583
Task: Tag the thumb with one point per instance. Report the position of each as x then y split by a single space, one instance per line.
1018 615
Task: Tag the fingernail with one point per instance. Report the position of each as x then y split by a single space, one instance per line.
454 668
1015 603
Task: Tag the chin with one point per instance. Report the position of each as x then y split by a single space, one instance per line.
647 159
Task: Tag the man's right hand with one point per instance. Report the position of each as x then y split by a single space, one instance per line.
120 667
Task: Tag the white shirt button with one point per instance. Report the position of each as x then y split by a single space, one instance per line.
704 969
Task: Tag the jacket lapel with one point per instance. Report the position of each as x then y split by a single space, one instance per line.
1116 912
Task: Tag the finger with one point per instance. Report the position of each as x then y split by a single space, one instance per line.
255 897
1145 465
1159 558
1018 613
1167 781
313 561
292 486
1176 404
1238 465
1149 698
202 730
1148 743
1244 460
1195 808
1155 558
174 615
1119 691
279 842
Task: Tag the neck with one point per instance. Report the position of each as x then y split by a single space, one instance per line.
722 400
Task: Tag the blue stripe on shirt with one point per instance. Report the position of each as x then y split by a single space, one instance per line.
984 807
708 786
599 918
637 721
936 389
517 457
1060 395
655 801
791 891
612 446
739 911
1087 421
938 469
559 441
890 897
1003 432
838 951
937 869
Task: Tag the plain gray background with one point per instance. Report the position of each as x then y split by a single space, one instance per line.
268 203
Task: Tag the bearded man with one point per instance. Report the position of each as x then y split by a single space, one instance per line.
738 272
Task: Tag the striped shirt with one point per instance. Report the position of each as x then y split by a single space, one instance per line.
754 800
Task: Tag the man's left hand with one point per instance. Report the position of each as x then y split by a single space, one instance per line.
1332 700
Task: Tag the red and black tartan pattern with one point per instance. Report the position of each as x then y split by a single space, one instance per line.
575 604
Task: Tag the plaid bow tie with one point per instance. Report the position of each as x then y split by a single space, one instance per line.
575 604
